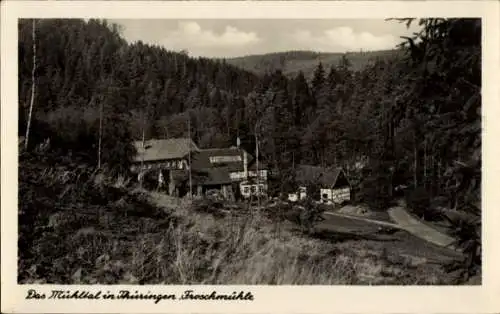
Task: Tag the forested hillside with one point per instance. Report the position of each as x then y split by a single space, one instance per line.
292 62
415 118
413 121
83 65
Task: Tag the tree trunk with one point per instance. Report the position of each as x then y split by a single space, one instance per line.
165 133
425 164
433 174
32 100
100 134
439 184
190 174
415 161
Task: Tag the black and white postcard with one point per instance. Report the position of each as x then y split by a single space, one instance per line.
244 157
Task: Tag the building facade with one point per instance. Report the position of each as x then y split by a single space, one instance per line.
183 167
165 159
326 185
238 165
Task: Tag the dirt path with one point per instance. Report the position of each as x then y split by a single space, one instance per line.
405 221
411 224
365 232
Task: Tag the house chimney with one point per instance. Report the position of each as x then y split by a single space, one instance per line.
245 165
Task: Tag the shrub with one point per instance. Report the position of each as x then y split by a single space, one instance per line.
419 201
467 230
208 205
374 193
313 189
305 214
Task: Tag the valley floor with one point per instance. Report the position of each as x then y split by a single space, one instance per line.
83 230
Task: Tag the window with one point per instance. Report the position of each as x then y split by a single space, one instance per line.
254 189
246 189
224 159
325 196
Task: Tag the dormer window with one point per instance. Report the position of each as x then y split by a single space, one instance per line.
225 159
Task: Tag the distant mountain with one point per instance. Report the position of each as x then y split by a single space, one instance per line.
291 62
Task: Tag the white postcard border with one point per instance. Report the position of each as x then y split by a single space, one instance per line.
275 299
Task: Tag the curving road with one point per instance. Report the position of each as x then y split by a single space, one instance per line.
414 226
403 220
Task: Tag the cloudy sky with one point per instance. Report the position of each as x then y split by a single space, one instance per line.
230 38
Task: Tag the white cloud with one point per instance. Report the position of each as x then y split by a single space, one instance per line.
231 38
342 39
191 36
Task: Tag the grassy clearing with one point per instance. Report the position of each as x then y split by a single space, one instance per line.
76 226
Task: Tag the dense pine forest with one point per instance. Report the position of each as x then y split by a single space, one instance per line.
411 118
416 117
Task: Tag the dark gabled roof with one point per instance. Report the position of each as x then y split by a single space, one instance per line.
165 149
253 165
213 176
326 177
206 177
201 159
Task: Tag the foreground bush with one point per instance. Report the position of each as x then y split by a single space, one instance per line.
419 201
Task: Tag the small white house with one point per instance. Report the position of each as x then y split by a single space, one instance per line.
299 195
331 185
293 197
339 195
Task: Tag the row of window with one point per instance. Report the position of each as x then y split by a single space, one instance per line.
241 175
177 164
223 159
253 189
